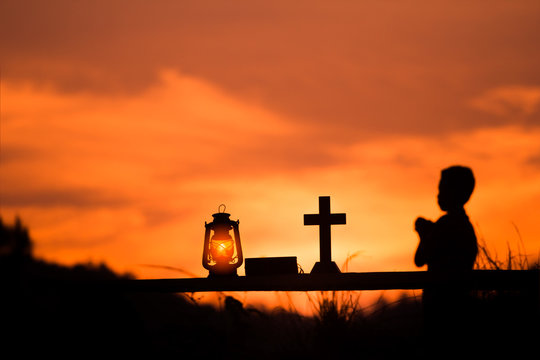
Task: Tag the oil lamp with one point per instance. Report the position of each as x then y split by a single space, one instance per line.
222 254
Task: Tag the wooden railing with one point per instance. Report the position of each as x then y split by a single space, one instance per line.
528 280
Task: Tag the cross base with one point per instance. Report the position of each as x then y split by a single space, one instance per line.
326 267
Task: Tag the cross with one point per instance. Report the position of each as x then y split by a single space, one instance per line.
325 220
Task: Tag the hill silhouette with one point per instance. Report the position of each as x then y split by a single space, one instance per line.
48 310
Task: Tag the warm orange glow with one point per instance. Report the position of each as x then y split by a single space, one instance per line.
222 250
116 154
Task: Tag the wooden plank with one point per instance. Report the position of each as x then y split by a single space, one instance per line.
478 279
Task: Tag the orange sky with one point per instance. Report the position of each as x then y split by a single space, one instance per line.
125 124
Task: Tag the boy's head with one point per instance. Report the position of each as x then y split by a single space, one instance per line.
455 187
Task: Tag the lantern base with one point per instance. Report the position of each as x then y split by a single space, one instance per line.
213 274
326 267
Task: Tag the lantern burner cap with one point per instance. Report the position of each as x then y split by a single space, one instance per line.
221 217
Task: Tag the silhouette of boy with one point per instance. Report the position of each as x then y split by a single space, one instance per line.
448 246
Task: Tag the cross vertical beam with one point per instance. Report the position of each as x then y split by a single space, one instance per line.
325 219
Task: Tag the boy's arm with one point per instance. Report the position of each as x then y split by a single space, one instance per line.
424 228
420 258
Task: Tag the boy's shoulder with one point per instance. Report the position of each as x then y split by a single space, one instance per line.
453 218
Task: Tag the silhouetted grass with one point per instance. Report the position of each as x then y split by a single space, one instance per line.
342 327
515 259
342 306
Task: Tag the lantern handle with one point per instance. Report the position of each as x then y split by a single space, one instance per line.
240 256
206 245
219 208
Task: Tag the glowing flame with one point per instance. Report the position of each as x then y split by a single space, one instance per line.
222 249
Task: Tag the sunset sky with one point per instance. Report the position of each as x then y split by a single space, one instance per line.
125 124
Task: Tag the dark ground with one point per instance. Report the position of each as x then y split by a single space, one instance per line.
46 311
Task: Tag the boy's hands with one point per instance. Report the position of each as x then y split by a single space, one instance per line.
423 226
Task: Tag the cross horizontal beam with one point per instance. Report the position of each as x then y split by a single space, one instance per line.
478 279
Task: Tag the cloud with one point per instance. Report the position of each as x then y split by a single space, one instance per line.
534 160
181 129
16 153
150 152
509 101
354 69
49 198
